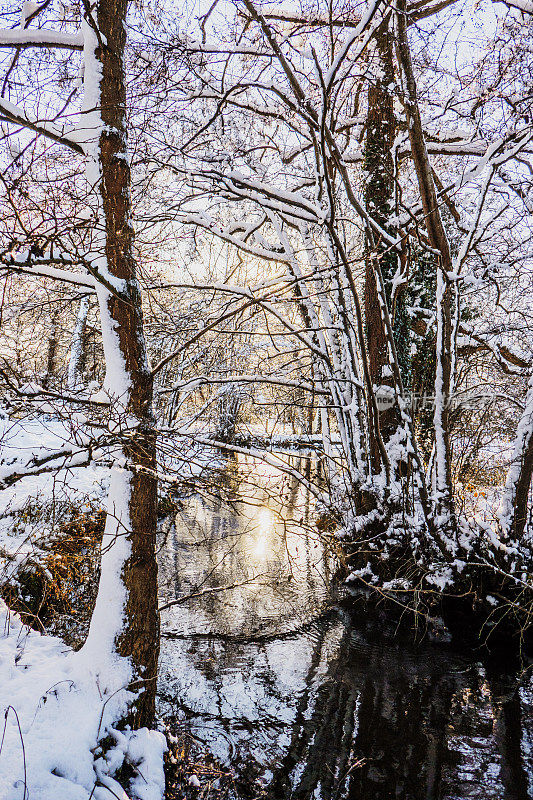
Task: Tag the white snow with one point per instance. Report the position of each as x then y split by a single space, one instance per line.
521 443
76 347
66 701
16 114
108 617
21 440
522 5
58 704
29 7
16 36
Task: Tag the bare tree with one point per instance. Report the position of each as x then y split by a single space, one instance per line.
125 620
298 194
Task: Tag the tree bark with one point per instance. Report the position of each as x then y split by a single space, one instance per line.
439 241
379 196
77 347
515 502
51 351
129 381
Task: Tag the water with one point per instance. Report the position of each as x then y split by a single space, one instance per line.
305 699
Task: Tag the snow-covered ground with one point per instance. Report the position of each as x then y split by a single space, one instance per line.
59 704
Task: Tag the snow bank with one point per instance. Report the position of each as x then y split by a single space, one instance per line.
58 704
57 707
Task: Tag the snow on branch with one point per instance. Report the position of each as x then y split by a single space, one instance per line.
202 380
205 221
262 455
9 112
525 6
42 269
36 393
28 264
494 155
347 19
67 457
292 204
17 37
507 357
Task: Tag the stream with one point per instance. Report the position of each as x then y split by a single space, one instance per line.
304 698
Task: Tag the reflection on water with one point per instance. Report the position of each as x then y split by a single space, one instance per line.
265 548
319 705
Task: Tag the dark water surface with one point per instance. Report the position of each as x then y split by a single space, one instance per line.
304 697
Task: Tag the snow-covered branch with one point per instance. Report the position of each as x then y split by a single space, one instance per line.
40 37
11 113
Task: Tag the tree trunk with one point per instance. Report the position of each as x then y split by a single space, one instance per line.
438 240
379 196
51 351
515 506
229 407
129 565
77 347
